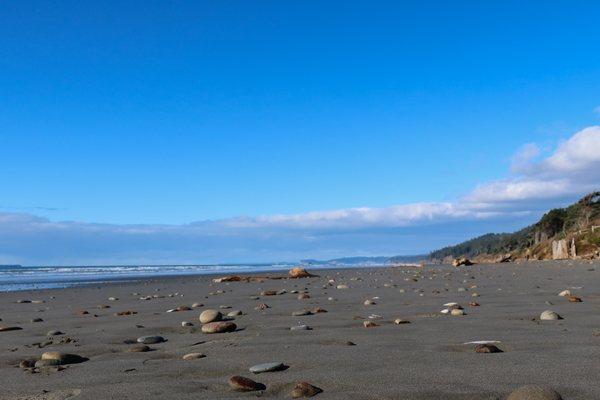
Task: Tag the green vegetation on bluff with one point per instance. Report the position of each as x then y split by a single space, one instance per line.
580 222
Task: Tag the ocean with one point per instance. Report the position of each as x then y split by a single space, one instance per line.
47 277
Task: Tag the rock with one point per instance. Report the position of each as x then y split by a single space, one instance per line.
186 323
318 310
487 348
125 313
369 324
113 298
565 293
300 273
342 286
400 321
193 356
305 389
549 315
24 364
241 384
457 312
208 316
54 332
267 367
534 392
303 296
457 262
46 363
301 313
63 358
151 339
10 328
219 327
197 305
262 306
183 308
574 299
139 348
268 293
369 302
235 313
300 328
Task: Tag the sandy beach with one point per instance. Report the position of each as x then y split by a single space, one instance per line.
426 358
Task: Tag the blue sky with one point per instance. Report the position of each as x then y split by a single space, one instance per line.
162 114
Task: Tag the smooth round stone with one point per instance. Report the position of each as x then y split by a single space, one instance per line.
549 315
457 312
242 384
487 348
140 348
47 363
369 302
305 389
54 332
267 367
186 323
62 358
234 313
150 339
534 392
208 316
193 356
219 327
301 313
10 328
300 328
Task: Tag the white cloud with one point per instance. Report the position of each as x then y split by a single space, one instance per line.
572 170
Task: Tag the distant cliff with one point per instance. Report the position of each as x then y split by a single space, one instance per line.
571 232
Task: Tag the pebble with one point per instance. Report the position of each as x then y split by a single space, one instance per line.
305 389
10 328
62 358
54 332
487 348
457 312
369 302
193 356
342 286
565 293
399 321
267 367
208 316
139 348
242 384
235 313
574 299
549 315
301 313
300 328
534 392
150 339
219 327
369 324
186 323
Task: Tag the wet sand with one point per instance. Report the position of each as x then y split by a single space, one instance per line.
423 359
